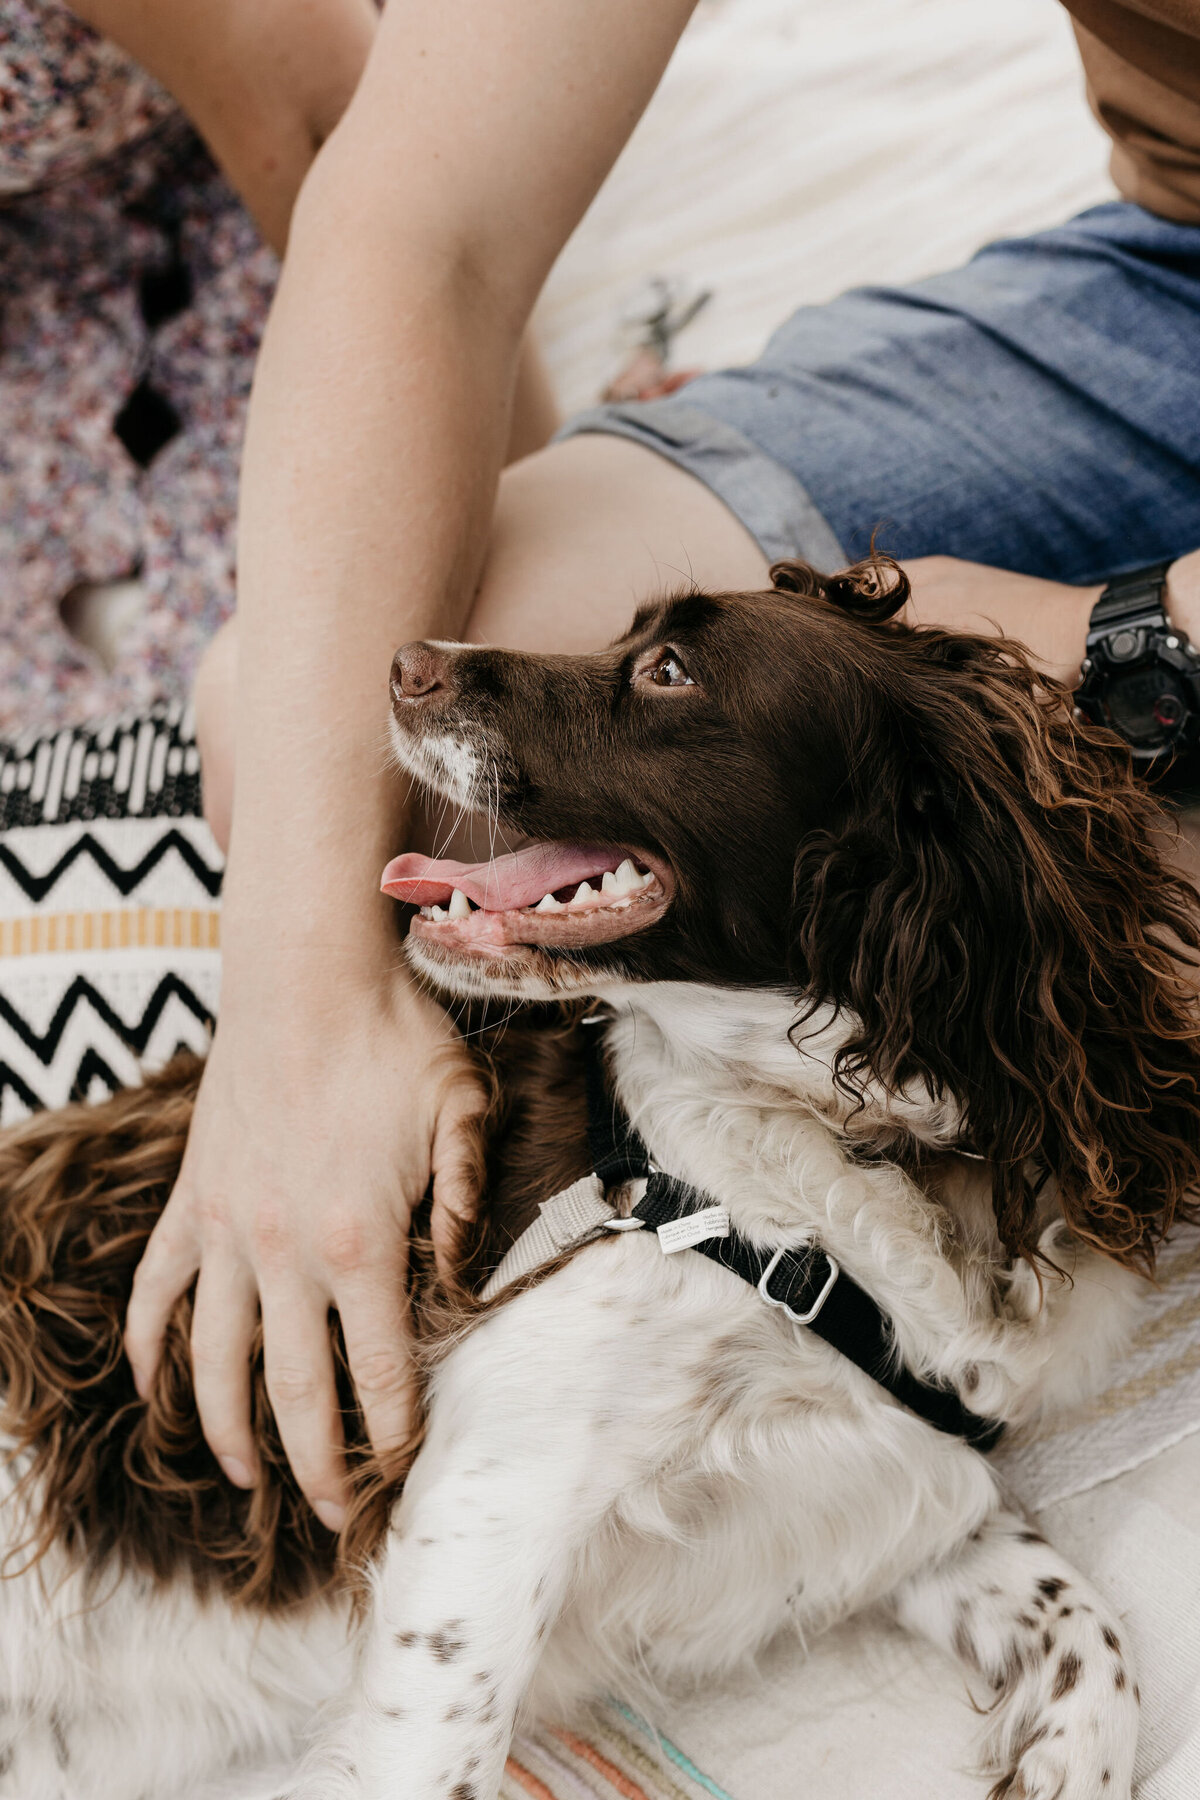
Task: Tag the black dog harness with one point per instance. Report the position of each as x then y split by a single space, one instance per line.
803 1280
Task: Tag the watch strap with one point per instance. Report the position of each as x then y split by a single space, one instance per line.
1139 595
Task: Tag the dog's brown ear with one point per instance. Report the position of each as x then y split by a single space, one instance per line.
996 916
874 590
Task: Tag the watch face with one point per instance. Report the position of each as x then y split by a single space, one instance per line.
1148 706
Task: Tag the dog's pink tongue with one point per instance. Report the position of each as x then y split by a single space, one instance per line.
499 886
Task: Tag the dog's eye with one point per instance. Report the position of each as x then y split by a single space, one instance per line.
667 671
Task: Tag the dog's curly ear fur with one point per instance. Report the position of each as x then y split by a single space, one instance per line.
995 912
874 590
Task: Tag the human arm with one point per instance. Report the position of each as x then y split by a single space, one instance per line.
474 141
1051 617
263 83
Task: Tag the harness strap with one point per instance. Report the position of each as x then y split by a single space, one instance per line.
816 1293
803 1279
565 1221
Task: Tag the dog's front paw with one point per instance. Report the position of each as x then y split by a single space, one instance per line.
1074 1737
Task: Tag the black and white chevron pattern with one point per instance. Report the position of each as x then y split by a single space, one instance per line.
101 837
89 1048
88 847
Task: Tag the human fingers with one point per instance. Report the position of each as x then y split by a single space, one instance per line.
224 1318
375 1327
170 1259
298 1359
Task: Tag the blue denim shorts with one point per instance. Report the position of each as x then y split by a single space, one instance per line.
1038 409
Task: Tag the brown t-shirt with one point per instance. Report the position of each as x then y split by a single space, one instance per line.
1142 59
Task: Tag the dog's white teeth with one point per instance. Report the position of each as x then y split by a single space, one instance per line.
460 906
585 891
610 885
548 903
436 914
427 912
627 879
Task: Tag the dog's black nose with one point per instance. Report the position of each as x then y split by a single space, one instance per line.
418 671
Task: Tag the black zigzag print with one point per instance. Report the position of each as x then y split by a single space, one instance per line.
92 1067
10 1082
36 887
135 1035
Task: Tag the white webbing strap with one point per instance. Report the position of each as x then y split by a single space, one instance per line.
566 1220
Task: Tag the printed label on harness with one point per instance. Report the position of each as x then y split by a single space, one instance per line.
681 1234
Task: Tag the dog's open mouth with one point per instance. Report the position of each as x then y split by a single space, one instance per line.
560 896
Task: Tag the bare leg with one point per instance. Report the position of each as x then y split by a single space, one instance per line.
584 531
535 410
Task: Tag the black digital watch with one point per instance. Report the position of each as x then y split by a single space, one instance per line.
1141 677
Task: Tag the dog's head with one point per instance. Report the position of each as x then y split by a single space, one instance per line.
791 791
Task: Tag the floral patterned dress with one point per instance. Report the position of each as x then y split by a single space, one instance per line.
133 291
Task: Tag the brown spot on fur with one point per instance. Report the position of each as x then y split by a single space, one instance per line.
1111 1639
1069 1670
1052 1586
58 1738
963 1642
447 1643
1119 1678
1047 1642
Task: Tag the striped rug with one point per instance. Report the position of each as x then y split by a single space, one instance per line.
614 1754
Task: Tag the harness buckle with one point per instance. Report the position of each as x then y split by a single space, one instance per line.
764 1284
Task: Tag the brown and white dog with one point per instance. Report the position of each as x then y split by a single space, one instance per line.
889 954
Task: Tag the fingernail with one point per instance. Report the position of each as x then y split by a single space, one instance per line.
331 1515
237 1472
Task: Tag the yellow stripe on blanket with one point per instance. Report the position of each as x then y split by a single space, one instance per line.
132 928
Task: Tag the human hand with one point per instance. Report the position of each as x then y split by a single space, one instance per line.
317 1127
